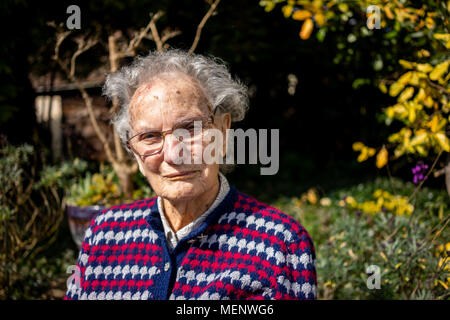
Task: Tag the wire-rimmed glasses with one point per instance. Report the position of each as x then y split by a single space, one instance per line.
151 142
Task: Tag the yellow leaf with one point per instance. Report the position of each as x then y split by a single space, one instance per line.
382 87
312 196
433 124
444 37
320 19
390 112
443 141
428 102
419 138
406 94
307 28
439 70
388 12
422 53
406 64
382 158
420 96
412 115
269 5
443 284
404 79
287 10
301 15
424 67
352 254
429 22
366 153
357 146
343 7
395 88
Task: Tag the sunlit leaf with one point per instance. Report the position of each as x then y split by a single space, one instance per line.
301 15
443 141
388 12
357 146
320 19
406 94
287 10
307 28
395 88
382 158
439 70
406 64
424 67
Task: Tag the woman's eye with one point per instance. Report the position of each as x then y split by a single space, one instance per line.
148 136
189 127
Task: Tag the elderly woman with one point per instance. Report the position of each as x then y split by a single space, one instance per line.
200 238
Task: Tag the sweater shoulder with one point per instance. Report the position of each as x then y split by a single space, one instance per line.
258 217
124 213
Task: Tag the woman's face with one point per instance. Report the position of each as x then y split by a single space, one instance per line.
163 104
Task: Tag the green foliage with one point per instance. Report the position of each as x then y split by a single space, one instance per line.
102 188
62 175
42 278
423 94
30 213
408 249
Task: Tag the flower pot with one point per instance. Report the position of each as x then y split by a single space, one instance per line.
79 219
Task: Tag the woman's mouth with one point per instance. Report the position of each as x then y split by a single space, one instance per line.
181 175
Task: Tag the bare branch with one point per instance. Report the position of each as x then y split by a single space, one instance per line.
60 37
169 34
136 41
202 24
83 46
154 30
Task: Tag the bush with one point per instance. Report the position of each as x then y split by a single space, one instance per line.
30 215
410 250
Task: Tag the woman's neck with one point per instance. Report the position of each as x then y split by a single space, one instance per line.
181 213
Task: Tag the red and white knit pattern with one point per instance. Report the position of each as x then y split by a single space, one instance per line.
245 250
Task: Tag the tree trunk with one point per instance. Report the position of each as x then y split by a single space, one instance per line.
125 179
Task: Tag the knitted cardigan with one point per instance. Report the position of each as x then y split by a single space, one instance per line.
244 249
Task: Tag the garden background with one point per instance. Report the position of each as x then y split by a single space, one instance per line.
360 96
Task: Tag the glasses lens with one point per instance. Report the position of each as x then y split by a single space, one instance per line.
151 142
147 143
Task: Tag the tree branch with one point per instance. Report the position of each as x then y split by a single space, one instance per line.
70 73
202 24
83 46
154 30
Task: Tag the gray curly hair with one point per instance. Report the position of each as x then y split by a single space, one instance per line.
225 94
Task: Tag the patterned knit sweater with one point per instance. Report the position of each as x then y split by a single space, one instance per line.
244 249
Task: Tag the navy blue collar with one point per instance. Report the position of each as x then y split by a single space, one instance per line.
225 206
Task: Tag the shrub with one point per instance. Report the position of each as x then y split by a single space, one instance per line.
409 249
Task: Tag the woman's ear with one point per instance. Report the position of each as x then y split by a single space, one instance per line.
226 122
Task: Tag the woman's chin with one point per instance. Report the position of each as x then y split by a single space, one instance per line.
181 190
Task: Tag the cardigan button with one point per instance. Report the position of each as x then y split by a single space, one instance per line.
166 266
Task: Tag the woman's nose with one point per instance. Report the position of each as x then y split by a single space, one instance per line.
172 150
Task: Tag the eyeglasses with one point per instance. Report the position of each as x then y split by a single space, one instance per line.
151 142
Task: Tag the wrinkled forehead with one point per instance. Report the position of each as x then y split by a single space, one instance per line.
168 94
